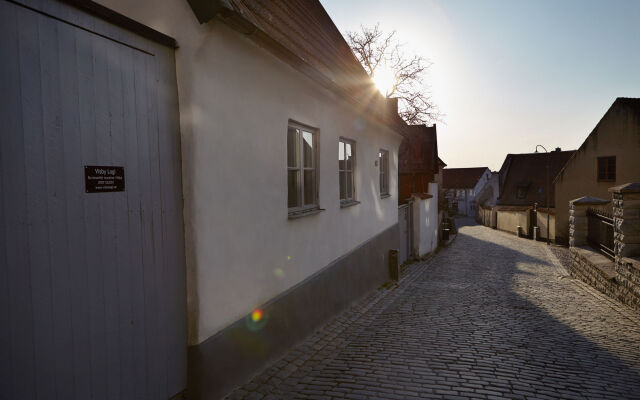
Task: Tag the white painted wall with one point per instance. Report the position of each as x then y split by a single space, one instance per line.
485 179
425 222
488 192
235 100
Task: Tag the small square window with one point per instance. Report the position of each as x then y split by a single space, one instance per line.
521 192
607 169
383 161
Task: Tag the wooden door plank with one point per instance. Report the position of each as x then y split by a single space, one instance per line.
158 246
92 228
144 170
74 172
18 333
104 278
136 260
37 218
123 248
56 206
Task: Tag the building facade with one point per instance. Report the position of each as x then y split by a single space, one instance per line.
418 160
461 186
526 186
273 150
609 156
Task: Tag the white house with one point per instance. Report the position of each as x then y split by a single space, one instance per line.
249 123
462 185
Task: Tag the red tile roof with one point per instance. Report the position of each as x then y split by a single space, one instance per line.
461 178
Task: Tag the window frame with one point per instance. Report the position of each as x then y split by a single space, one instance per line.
522 189
608 174
383 173
347 201
303 209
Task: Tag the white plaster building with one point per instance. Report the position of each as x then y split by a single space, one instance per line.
254 115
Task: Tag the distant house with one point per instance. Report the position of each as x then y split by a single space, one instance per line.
461 186
418 161
487 196
523 185
609 156
261 171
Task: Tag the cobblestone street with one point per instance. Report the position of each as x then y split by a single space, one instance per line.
491 316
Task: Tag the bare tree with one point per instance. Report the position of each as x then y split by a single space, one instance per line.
378 51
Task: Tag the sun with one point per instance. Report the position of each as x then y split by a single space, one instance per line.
384 79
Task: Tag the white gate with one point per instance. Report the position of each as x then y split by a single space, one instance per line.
92 272
405 221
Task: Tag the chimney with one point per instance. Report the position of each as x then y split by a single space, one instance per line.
558 149
392 103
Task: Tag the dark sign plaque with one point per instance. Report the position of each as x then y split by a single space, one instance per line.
100 178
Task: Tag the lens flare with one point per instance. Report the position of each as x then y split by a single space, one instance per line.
288 257
256 315
255 320
279 273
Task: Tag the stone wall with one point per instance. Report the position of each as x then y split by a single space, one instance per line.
619 278
600 272
628 281
626 214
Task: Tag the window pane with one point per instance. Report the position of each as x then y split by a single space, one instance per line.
612 168
293 136
294 188
349 189
602 173
341 155
307 149
384 171
342 185
309 187
349 156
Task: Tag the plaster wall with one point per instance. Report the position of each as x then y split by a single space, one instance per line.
617 134
425 224
542 224
489 190
509 221
235 101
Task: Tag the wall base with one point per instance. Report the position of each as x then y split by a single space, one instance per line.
620 281
235 354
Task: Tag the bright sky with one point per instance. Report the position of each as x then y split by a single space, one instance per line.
511 74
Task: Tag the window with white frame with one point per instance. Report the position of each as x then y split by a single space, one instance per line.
383 161
346 166
302 168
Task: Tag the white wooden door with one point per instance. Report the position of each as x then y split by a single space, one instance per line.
92 285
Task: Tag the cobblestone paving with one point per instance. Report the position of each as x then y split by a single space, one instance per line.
490 317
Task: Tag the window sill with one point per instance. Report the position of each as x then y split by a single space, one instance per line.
305 213
348 203
385 195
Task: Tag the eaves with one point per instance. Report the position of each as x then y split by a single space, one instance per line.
206 10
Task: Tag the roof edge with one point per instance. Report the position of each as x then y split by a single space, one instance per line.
206 10
618 101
